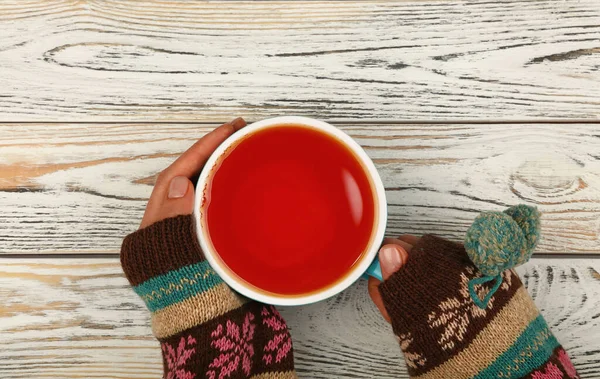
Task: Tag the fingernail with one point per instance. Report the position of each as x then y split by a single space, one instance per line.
178 187
238 123
390 258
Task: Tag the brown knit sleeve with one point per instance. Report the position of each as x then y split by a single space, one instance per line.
443 334
159 248
205 329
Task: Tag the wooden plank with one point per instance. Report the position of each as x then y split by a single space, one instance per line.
185 60
73 318
80 188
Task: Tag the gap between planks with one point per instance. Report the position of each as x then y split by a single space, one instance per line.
542 255
332 121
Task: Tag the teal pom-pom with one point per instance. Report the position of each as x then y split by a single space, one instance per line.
498 241
528 219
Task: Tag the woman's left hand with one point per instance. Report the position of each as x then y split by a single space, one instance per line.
392 256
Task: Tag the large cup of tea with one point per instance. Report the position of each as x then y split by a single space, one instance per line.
290 211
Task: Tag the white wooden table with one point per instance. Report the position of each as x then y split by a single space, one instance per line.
464 106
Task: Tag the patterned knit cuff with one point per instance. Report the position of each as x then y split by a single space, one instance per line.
205 329
444 334
167 269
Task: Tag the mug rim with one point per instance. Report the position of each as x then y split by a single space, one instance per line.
350 277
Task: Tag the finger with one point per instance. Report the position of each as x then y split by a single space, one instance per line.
391 257
192 161
410 239
373 287
238 123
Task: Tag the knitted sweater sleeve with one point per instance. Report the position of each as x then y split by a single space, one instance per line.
443 334
204 328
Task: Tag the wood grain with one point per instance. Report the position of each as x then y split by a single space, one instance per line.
74 318
80 188
188 60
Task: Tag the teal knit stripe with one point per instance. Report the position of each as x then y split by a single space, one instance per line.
176 286
532 349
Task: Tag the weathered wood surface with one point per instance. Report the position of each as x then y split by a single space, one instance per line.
78 318
81 187
150 60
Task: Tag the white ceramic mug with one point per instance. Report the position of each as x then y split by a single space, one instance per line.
368 264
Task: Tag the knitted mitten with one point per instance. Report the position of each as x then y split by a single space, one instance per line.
448 325
205 329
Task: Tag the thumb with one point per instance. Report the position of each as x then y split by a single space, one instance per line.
391 258
174 200
180 197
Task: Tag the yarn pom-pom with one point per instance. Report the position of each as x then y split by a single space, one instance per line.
528 219
498 241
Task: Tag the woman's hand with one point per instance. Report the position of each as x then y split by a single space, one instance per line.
173 193
392 256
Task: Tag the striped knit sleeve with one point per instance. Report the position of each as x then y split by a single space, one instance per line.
205 329
443 334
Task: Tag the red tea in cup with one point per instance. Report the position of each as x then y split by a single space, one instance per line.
289 209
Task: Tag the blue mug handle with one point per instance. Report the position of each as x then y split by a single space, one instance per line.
374 270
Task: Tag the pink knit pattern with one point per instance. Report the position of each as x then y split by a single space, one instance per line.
563 357
177 360
235 346
551 372
280 345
